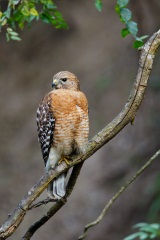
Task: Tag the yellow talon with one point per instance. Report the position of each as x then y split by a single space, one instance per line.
66 159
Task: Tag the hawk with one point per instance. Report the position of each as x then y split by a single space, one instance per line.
63 126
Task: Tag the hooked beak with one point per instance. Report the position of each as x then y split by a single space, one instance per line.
55 83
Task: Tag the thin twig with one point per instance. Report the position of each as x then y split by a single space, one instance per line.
40 203
117 195
71 183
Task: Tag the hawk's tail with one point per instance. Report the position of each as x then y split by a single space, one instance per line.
59 186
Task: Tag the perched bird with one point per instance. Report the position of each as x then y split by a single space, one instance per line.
63 126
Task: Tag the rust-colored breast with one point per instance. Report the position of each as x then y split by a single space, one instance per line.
70 110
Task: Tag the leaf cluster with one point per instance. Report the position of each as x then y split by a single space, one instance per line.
125 16
20 12
145 231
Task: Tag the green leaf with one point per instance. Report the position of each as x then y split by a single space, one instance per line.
14 33
132 28
148 229
45 1
122 3
98 5
133 236
4 22
2 19
25 11
144 37
143 236
33 12
8 12
117 9
154 235
58 21
139 39
51 6
138 44
13 2
139 225
155 226
124 32
125 14
9 30
8 37
15 38
17 15
21 24
45 16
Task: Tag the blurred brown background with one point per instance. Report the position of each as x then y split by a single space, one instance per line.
106 65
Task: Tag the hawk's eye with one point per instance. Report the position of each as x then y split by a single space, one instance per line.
64 79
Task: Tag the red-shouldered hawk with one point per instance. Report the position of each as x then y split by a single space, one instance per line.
63 125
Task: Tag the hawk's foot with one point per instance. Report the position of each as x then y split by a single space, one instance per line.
66 159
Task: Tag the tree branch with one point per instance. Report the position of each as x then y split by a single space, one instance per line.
36 225
117 195
126 116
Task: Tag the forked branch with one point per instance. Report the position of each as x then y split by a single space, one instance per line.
127 115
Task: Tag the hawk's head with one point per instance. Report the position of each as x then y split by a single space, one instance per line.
65 80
